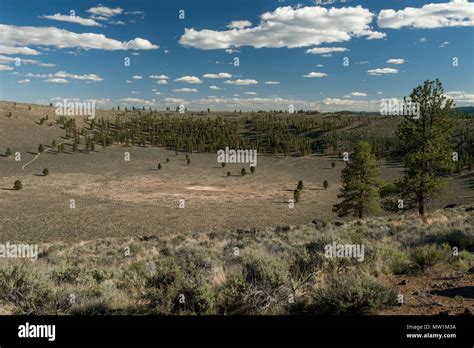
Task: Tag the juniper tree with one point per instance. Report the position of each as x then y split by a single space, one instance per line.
425 145
8 153
40 148
159 166
45 171
325 184
299 187
296 195
360 184
243 171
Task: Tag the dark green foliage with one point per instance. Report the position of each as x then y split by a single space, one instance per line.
325 184
296 195
40 148
425 143
243 171
17 185
8 153
300 185
45 172
159 166
360 184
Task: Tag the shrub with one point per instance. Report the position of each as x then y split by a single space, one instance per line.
252 169
40 148
300 185
17 185
325 184
398 262
243 171
159 166
223 164
296 195
8 153
45 171
454 238
426 256
349 294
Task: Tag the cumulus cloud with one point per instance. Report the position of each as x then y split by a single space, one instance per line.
359 94
214 87
315 74
289 27
326 50
104 12
18 50
382 71
6 59
4 67
137 77
73 19
56 80
243 82
64 75
162 82
458 13
12 36
221 75
396 61
159 77
239 24
189 79
186 90
461 98
444 44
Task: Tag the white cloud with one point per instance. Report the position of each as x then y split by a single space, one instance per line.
6 59
382 71
221 75
423 39
64 75
186 90
137 77
56 80
290 27
396 61
239 24
444 44
325 50
161 82
24 81
174 100
159 77
11 36
461 98
230 51
359 94
189 79
73 19
315 74
319 65
272 82
251 93
458 13
137 101
214 87
239 82
104 12
18 50
129 81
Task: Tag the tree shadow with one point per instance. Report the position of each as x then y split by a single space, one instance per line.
463 291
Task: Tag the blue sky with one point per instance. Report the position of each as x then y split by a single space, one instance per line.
290 52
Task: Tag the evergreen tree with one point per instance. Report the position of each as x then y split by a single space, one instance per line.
45 171
360 184
8 153
17 185
243 171
296 195
425 145
40 148
325 184
299 187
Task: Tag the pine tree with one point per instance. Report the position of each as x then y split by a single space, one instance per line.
360 184
425 144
